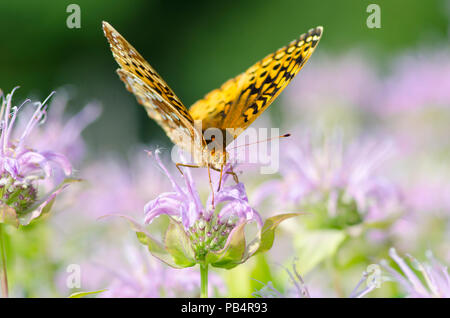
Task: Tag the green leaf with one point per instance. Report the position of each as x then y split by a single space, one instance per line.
312 247
83 294
8 215
37 204
178 245
268 232
261 272
156 248
232 253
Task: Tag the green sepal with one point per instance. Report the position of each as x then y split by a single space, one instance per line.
232 253
178 244
156 248
268 232
43 207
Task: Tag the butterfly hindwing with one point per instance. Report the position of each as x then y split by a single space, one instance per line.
151 90
238 102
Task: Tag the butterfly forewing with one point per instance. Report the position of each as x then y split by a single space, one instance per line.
151 91
238 102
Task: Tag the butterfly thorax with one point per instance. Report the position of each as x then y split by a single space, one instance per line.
203 152
213 157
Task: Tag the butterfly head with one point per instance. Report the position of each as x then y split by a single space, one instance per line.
215 153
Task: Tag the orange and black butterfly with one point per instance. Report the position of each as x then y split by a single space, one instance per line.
230 108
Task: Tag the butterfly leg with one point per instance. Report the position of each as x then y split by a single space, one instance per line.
211 185
184 165
231 172
220 178
235 177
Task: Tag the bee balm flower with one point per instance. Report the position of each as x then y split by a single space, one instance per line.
343 184
23 170
205 236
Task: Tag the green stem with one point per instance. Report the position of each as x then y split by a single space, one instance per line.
4 277
204 280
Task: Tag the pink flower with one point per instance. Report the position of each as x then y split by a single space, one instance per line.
199 235
347 82
435 276
143 278
301 290
23 169
184 202
340 176
419 81
125 270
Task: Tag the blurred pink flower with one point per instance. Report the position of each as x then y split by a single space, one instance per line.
129 271
418 80
113 185
63 134
347 81
145 278
329 170
435 275
429 196
301 290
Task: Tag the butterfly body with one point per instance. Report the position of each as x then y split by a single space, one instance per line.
210 157
213 122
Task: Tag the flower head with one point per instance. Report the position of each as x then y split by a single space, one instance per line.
207 235
206 228
435 276
341 180
184 202
22 168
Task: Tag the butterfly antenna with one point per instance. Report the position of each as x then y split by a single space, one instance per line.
260 141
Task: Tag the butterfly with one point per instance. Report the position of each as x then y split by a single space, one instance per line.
228 110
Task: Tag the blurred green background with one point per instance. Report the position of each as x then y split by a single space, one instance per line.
194 45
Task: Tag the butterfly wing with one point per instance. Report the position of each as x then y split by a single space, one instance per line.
160 102
238 102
